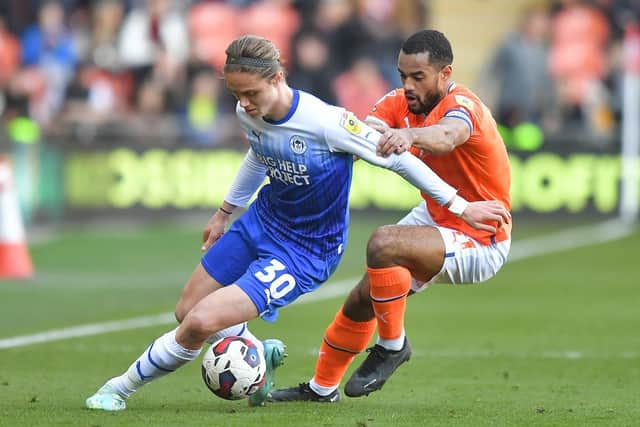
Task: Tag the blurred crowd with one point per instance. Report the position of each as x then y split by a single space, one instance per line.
148 71
561 70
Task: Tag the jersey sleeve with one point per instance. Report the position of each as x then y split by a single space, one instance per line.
251 174
463 108
346 133
385 111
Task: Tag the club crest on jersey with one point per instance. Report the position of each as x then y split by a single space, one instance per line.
350 122
464 101
297 144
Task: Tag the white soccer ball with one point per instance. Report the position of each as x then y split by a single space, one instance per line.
233 368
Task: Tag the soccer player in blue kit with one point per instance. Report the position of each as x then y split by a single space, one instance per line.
291 238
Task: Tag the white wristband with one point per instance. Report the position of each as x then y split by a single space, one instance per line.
458 205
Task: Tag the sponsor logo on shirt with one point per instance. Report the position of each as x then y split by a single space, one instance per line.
285 171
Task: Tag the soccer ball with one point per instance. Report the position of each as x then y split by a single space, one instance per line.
233 368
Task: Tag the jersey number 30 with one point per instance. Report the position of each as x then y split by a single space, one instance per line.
279 284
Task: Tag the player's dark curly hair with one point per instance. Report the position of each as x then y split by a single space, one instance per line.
433 42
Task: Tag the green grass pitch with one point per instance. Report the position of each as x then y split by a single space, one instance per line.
552 340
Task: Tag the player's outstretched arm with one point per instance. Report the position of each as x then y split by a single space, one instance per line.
353 136
363 141
440 138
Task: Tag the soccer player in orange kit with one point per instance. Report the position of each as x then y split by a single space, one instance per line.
452 131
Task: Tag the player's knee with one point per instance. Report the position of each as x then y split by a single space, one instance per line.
380 248
199 324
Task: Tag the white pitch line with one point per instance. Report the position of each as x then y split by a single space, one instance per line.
554 242
571 238
327 291
87 330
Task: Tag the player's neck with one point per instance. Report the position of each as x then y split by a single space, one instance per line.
283 105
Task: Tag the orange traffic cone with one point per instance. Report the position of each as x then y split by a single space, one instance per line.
15 262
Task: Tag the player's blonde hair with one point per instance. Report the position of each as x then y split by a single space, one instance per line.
253 54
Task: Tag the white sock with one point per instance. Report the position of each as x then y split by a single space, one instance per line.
393 345
240 330
162 357
322 391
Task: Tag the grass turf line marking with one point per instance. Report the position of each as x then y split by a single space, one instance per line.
572 238
328 291
555 242
87 330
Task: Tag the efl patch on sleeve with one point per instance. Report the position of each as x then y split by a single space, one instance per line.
464 101
350 122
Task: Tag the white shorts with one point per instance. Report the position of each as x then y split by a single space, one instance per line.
465 260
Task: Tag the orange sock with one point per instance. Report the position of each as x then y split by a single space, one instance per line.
343 340
389 289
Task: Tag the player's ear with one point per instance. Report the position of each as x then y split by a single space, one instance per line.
446 71
277 78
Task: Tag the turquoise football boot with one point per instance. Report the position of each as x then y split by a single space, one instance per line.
274 354
106 399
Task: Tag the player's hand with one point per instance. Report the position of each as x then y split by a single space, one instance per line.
479 214
214 229
393 141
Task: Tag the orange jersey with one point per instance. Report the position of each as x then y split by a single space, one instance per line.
479 169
